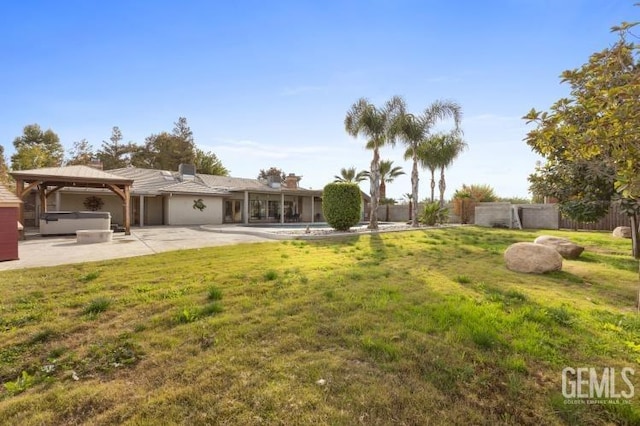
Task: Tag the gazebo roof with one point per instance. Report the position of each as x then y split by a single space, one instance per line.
71 175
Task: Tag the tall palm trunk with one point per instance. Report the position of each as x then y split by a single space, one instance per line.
442 186
414 190
374 190
383 189
433 185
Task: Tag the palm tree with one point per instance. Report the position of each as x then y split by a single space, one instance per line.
451 147
351 175
427 153
365 119
412 130
388 174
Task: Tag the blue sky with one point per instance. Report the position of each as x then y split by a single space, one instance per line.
268 83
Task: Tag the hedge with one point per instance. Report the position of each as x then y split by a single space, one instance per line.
341 205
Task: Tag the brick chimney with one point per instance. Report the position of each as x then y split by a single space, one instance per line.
291 181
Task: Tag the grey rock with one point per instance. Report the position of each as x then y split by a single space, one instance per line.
532 258
566 248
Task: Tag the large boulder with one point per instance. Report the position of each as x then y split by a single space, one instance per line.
566 248
622 232
532 258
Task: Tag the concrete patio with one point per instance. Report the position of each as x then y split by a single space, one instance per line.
36 250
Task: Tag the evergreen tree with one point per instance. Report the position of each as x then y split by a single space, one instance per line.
114 154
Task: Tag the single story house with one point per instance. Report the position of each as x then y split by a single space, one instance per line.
163 197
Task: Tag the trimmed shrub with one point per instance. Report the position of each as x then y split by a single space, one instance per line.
341 205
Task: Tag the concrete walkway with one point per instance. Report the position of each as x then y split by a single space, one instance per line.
49 251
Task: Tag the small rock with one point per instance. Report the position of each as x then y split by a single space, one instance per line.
622 232
321 382
49 368
74 376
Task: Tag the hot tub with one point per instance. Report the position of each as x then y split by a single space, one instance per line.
63 223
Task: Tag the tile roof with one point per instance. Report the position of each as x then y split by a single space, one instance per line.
152 181
193 187
156 181
235 184
147 180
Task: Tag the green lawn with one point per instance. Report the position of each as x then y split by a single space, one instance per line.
402 328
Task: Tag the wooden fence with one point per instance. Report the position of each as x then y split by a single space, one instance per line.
612 220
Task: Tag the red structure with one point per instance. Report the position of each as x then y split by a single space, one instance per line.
9 214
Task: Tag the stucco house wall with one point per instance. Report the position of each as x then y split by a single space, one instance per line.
75 202
153 211
319 215
305 213
180 210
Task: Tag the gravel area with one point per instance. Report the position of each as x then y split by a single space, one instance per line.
328 231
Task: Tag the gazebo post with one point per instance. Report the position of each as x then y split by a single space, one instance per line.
42 188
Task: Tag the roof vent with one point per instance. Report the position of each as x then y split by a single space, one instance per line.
274 181
187 171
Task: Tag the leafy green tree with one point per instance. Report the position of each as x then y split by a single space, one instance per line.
272 173
209 163
36 149
599 121
142 156
365 119
166 151
4 169
81 153
415 132
351 175
388 173
583 188
115 154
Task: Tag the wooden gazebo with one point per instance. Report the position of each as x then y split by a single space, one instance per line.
51 179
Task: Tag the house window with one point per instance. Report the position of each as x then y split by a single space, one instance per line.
264 208
258 209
